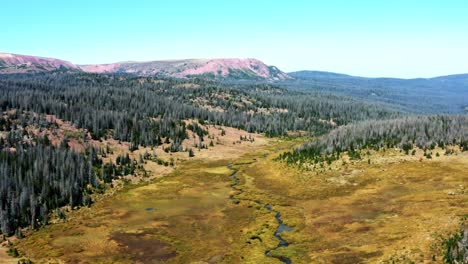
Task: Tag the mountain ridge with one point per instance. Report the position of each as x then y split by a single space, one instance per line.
230 68
235 68
17 63
447 94
307 74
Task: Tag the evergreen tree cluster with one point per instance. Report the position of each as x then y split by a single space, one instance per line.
35 179
198 130
424 132
138 110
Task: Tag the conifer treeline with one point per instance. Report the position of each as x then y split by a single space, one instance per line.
424 132
140 109
35 179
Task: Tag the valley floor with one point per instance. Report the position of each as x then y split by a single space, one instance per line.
224 209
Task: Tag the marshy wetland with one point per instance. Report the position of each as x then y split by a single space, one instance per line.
249 208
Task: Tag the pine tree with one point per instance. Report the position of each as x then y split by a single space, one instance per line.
190 153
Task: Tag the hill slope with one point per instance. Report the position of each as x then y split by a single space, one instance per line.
448 94
15 63
214 68
234 69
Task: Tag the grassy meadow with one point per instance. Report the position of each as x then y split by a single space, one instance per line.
394 210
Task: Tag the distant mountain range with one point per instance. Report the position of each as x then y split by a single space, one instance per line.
14 63
323 75
250 69
448 94
211 68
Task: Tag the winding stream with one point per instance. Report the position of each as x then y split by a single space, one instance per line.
280 229
281 226
235 182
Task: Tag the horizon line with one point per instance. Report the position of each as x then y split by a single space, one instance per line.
245 58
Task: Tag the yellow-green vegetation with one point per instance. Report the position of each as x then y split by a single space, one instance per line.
393 210
185 216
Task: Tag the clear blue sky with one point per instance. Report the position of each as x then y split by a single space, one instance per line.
398 38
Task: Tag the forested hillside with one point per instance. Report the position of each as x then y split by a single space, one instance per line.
423 132
37 176
141 109
445 94
35 179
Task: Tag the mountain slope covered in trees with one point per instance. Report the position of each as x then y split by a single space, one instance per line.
41 177
37 177
445 94
423 132
139 109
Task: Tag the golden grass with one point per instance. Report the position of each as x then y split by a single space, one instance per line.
392 210
370 213
187 214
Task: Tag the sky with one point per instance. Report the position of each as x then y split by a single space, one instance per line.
378 38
